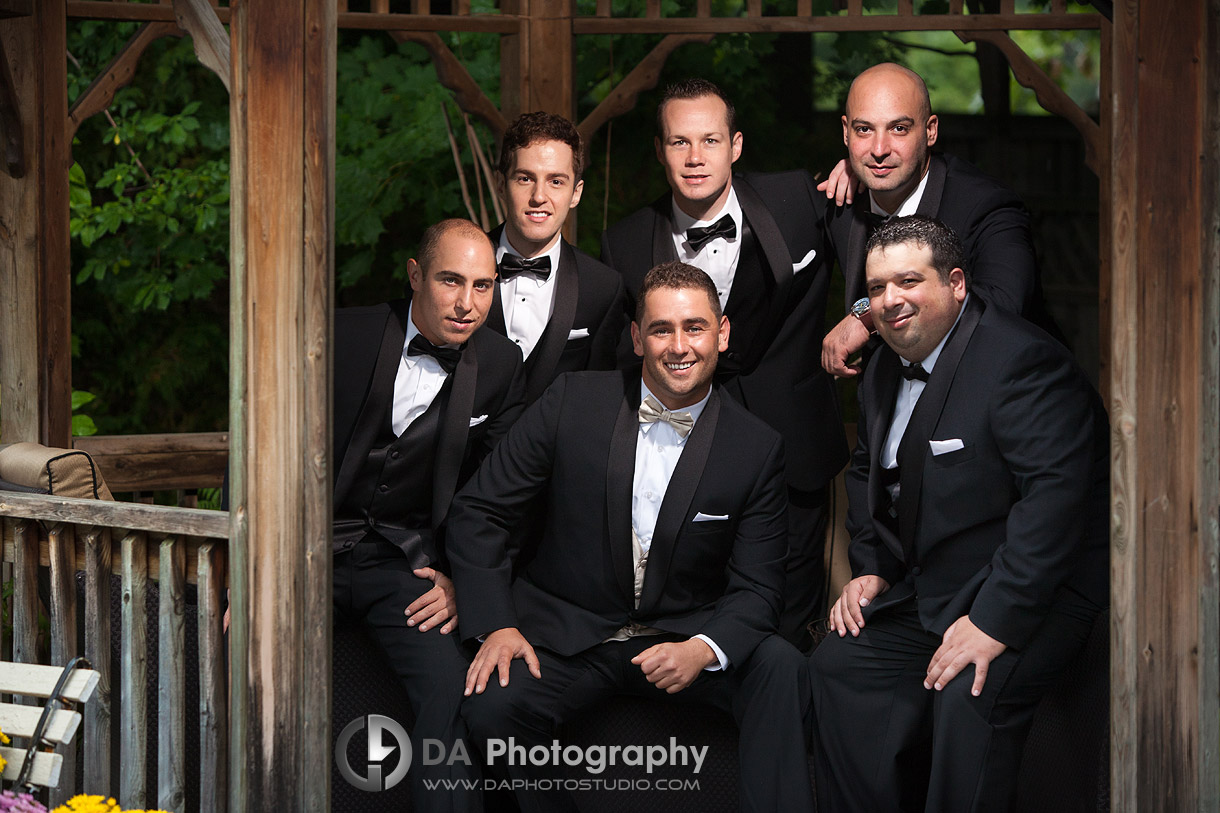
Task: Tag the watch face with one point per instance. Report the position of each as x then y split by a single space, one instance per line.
860 307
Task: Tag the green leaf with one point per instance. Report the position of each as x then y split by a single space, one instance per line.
83 426
80 398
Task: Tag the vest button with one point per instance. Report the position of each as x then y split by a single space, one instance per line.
394 454
383 488
915 571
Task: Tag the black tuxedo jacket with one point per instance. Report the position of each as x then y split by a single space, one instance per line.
781 378
486 389
721 577
997 527
990 220
588 299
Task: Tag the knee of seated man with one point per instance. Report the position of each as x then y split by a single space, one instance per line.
500 709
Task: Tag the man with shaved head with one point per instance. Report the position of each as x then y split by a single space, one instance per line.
889 130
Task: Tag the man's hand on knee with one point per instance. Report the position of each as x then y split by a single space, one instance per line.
962 645
674 666
438 606
497 652
846 615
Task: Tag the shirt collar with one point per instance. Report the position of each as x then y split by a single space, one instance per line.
506 248
695 410
930 361
910 205
413 331
732 207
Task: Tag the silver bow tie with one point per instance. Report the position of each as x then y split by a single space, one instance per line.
651 411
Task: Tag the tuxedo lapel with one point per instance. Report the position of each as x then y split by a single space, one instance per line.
884 372
540 366
914 446
620 474
377 402
770 239
929 204
663 250
495 317
677 502
857 239
455 428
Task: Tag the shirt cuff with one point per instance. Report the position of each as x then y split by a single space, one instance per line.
722 660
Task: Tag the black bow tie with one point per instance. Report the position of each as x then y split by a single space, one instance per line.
699 236
512 265
915 372
874 221
447 357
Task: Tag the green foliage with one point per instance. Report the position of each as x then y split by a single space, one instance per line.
82 425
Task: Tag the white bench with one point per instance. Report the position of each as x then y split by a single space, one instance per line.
32 680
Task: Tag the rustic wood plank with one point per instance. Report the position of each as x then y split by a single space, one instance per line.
133 718
16 8
421 6
855 8
643 77
25 594
97 650
159 462
1008 6
118 74
804 8
906 8
45 773
62 544
754 8
552 67
22 721
154 518
101 447
171 678
652 8
869 23
10 121
213 710
604 8
39 680
198 18
514 57
955 6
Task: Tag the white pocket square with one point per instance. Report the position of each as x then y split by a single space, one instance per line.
945 446
578 333
804 262
478 420
702 517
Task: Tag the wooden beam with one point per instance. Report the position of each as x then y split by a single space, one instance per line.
452 74
866 23
198 18
62 548
1052 98
282 125
16 8
97 650
1165 479
643 77
134 516
133 704
11 127
35 274
119 73
159 462
514 58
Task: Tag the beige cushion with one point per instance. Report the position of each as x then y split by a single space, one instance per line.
60 472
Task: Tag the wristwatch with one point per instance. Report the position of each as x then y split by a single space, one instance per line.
862 311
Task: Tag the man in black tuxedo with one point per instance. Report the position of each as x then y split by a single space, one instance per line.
978 511
758 238
888 128
421 395
660 566
563 308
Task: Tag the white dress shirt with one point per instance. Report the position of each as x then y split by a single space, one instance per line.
418 380
908 206
904 405
718 256
527 300
657 449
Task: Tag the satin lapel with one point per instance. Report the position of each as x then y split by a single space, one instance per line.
620 474
495 316
884 378
663 250
857 239
914 447
929 204
455 428
377 402
678 497
769 238
541 363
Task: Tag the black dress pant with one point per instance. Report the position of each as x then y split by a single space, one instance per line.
805 567
767 695
885 743
373 582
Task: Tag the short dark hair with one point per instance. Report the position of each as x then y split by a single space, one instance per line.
529 128
695 88
429 244
926 232
676 274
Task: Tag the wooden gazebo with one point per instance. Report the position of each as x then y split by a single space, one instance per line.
1156 150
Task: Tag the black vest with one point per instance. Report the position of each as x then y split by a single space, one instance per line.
391 494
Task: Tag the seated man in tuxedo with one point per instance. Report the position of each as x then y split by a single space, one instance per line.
421 395
978 513
888 128
563 308
660 566
758 236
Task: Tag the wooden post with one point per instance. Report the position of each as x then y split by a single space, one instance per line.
282 124
1166 439
35 295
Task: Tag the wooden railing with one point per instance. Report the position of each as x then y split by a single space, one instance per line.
160 551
